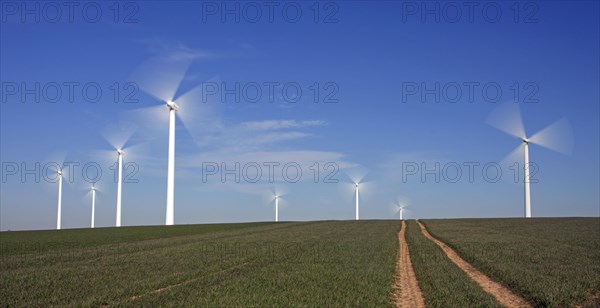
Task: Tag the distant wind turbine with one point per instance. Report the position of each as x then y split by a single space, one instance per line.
120 154
400 207
93 205
275 195
557 137
58 213
355 176
356 199
276 208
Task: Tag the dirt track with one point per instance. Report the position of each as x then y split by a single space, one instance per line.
503 295
406 289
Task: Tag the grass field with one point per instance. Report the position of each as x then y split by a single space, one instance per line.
443 284
312 263
552 262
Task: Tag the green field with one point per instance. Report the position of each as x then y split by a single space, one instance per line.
283 264
552 262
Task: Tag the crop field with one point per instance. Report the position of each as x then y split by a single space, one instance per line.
549 262
313 263
552 262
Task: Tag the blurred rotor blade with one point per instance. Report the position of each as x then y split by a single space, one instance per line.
161 76
104 158
152 122
198 110
515 156
57 158
118 135
511 166
279 191
355 174
557 137
507 118
403 202
366 189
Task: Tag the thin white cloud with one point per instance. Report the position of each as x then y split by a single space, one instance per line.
176 51
276 137
280 124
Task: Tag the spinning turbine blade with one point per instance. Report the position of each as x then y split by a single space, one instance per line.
355 174
515 156
197 110
161 76
557 137
118 135
151 121
507 118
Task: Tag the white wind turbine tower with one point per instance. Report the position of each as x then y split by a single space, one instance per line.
120 154
59 211
276 208
557 137
61 169
356 199
93 189
161 78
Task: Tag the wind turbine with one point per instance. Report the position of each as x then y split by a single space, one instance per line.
356 198
355 176
93 189
161 78
118 135
401 210
58 167
400 207
275 194
58 213
120 154
276 208
556 137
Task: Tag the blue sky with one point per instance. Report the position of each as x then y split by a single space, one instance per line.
364 57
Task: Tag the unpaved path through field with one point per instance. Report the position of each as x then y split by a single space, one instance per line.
406 289
503 295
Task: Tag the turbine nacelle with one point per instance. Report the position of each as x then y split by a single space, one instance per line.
525 140
120 152
172 106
